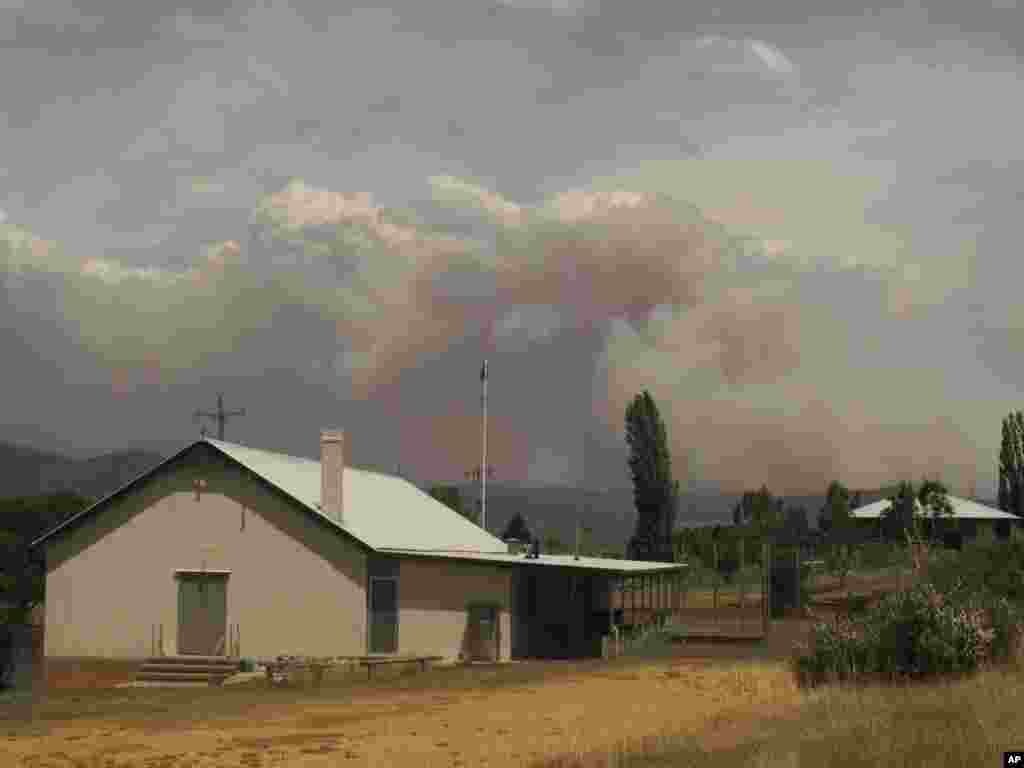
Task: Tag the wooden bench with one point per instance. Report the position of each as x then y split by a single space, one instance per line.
318 667
370 663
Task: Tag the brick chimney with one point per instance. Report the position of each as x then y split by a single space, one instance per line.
332 467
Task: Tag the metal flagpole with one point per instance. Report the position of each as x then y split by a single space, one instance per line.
483 464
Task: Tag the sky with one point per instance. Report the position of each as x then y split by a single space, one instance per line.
795 223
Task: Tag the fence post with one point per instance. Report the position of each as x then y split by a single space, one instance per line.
799 586
766 583
715 549
743 584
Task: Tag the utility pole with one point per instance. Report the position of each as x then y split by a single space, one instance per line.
483 470
483 463
220 416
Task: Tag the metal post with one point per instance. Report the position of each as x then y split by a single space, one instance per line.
715 603
632 601
483 465
743 588
765 586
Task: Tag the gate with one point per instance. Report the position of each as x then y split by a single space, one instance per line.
785 581
728 590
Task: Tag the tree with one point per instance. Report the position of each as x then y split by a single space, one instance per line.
655 493
899 520
796 523
836 511
22 574
835 520
1011 465
760 509
517 529
933 497
449 496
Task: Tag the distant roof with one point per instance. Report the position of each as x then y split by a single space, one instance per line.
383 512
962 509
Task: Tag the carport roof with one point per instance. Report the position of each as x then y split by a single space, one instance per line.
602 564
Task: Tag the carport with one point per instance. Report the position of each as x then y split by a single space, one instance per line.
562 606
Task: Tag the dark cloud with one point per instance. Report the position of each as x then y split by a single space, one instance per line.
144 141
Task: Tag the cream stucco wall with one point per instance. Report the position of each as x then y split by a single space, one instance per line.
295 587
432 600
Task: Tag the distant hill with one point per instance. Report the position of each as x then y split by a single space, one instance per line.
610 514
25 471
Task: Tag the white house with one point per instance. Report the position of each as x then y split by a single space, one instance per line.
968 514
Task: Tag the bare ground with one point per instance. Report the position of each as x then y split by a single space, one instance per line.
513 725
596 708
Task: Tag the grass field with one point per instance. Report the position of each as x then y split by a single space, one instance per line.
627 713
509 715
941 725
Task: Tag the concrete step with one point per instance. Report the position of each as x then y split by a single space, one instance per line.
179 677
181 669
159 684
186 670
191 660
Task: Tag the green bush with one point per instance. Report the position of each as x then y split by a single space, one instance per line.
919 632
878 555
992 567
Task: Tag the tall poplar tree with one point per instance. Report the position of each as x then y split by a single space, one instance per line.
655 493
1011 465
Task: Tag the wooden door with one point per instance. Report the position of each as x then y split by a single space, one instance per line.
202 614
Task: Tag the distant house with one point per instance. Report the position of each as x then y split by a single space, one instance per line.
228 550
971 517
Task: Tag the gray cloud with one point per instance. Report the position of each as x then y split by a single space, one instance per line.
708 200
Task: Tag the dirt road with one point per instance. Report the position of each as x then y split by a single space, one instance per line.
506 726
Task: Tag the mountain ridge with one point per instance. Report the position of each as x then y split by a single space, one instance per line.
549 510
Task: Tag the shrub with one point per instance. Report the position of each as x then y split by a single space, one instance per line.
918 633
876 555
995 568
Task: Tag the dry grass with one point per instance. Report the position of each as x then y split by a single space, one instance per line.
949 724
507 716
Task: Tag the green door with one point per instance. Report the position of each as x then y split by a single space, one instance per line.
202 614
383 615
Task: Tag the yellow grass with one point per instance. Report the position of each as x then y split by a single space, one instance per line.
945 725
520 714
